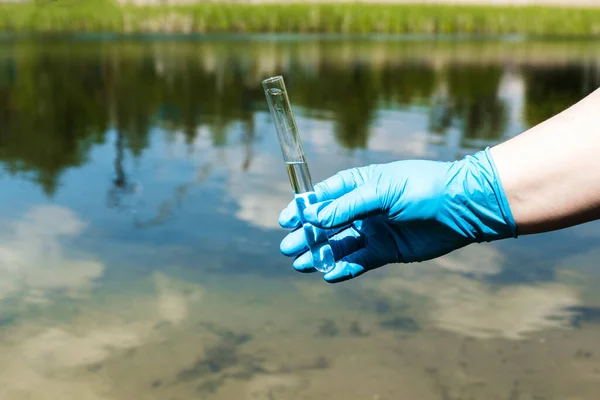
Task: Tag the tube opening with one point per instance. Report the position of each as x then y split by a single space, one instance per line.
274 85
272 79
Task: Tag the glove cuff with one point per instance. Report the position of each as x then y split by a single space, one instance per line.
484 205
500 195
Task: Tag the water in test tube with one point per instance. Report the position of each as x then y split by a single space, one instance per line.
297 169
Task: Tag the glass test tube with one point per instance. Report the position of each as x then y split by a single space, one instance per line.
297 169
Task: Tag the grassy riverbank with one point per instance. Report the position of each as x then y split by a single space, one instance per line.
108 16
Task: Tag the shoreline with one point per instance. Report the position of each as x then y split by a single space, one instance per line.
484 3
391 17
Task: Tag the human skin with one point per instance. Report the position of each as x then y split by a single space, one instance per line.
550 173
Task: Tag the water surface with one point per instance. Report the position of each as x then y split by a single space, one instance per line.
140 187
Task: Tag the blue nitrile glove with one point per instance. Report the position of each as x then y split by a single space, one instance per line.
401 212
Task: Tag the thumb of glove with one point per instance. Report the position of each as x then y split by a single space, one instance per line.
356 204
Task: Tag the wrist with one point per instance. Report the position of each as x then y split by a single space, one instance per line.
478 199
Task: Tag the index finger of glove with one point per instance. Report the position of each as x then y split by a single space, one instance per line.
329 189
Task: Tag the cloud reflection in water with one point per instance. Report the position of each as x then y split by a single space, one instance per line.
32 259
473 307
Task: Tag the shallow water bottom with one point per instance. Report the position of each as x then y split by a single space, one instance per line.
170 338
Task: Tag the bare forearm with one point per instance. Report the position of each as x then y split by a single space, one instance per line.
551 173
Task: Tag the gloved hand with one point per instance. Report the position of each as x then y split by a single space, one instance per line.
401 212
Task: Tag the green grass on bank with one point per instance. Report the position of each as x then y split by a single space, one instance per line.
43 16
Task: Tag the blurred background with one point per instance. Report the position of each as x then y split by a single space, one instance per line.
141 181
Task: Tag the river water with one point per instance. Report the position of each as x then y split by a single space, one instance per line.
140 184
